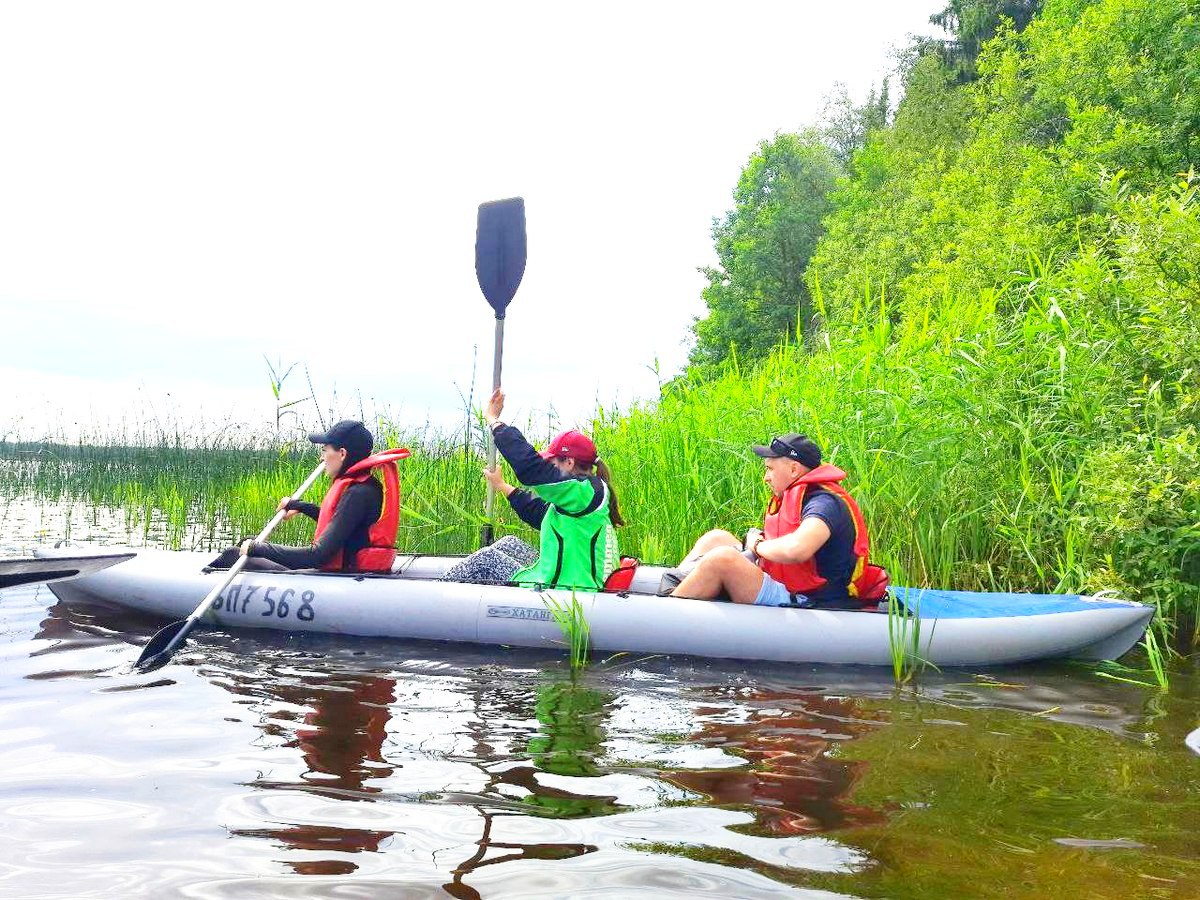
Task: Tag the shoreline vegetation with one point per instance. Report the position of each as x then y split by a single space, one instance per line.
991 296
983 303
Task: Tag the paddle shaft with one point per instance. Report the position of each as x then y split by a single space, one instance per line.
485 538
500 253
190 622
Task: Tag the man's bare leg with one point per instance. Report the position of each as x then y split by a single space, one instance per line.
723 568
709 541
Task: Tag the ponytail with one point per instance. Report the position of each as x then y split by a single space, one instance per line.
614 510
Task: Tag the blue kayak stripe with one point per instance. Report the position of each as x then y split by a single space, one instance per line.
932 603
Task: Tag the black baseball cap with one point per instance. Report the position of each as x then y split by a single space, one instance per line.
796 447
349 435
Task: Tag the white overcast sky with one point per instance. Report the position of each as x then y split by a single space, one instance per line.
185 187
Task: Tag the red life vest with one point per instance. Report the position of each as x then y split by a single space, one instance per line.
867 583
380 552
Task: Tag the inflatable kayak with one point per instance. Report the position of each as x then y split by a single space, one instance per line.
956 628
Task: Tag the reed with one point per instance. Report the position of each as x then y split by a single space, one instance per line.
904 636
569 617
206 497
1155 659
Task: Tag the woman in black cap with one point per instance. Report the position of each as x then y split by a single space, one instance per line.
344 520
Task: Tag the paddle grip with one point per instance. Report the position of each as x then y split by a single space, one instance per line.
300 492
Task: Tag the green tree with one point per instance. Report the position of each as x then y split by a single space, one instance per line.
756 296
846 125
974 22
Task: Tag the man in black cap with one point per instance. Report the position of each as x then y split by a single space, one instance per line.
806 553
358 507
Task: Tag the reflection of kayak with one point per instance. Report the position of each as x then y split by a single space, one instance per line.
956 628
14 572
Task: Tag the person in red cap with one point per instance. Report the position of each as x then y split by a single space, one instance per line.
568 497
811 551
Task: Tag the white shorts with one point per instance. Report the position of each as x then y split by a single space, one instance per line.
772 593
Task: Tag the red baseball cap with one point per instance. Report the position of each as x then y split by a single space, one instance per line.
572 445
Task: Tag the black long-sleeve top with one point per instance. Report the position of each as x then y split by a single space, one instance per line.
357 510
530 469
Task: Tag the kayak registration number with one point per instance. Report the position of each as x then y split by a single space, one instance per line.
267 602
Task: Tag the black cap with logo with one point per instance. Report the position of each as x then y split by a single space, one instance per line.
349 435
796 447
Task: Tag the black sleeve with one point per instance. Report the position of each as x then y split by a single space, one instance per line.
830 510
305 508
527 465
356 509
529 508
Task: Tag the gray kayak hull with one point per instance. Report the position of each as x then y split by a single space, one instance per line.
414 604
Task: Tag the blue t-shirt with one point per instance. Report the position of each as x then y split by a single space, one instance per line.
835 560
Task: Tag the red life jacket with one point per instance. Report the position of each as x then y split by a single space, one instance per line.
380 552
621 578
867 583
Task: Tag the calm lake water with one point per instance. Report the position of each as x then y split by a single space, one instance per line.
268 765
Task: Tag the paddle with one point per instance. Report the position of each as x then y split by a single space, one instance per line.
500 251
160 647
43 570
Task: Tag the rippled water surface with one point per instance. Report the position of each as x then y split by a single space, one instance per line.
269 765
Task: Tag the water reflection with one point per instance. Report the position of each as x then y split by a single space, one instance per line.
791 785
567 741
82 633
80 625
407 767
338 722
340 734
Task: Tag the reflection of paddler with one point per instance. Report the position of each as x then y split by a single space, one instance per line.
791 786
348 728
566 743
342 745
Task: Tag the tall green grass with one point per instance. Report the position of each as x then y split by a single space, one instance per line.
988 452
904 635
179 496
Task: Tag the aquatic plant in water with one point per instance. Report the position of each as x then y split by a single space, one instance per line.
904 637
574 625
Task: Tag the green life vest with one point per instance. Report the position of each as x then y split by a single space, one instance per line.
578 549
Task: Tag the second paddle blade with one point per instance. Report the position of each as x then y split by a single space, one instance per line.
155 653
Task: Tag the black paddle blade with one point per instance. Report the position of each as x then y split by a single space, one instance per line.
14 572
500 251
155 653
